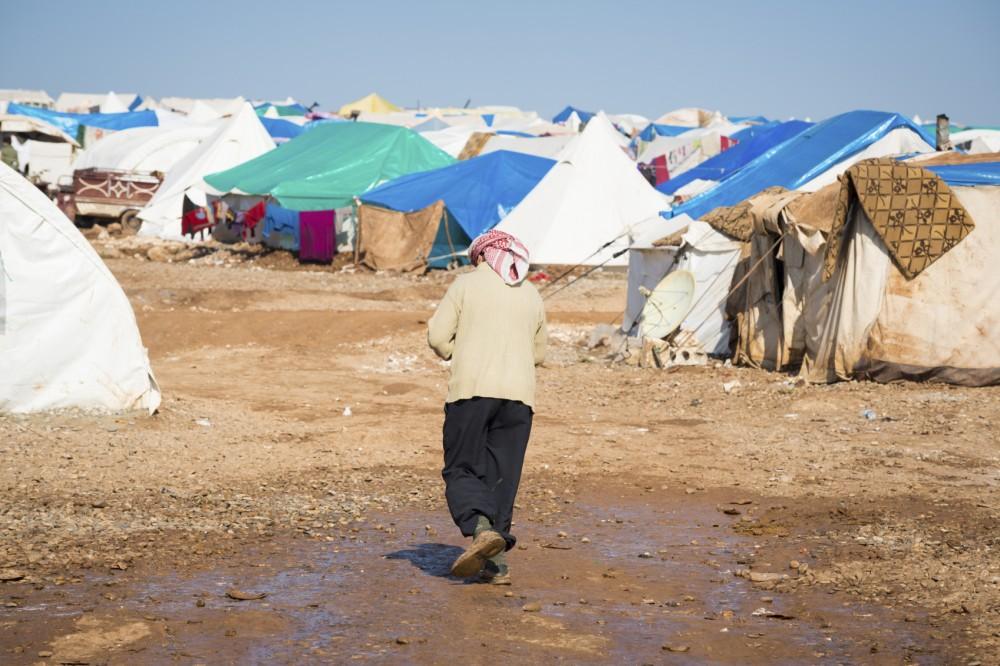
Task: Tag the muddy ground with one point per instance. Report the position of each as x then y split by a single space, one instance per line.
661 519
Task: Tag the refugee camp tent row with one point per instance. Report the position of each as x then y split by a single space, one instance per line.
807 161
323 170
62 308
476 194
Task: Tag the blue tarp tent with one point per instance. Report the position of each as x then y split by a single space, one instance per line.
281 130
477 194
795 162
564 115
728 162
652 130
72 122
971 174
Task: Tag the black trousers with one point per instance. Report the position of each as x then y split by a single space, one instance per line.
484 444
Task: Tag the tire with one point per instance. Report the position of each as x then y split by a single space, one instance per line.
130 222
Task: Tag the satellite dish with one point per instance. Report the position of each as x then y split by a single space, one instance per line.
667 305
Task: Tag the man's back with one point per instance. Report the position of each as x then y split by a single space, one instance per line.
494 334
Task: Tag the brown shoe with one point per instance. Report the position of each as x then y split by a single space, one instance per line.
486 544
492 577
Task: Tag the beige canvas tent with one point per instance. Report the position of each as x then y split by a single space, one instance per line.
874 315
371 103
910 282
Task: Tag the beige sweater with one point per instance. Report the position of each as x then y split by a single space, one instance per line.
494 335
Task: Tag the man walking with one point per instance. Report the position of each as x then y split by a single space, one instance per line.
491 325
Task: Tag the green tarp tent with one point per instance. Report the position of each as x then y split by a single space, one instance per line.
327 166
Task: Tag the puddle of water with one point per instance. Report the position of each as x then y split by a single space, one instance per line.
330 601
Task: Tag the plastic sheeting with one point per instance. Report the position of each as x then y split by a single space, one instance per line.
726 163
68 336
971 174
653 130
807 156
326 167
565 114
477 192
281 130
71 122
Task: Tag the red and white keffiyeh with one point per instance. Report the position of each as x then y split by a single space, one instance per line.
505 254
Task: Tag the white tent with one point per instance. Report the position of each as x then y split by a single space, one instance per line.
68 336
239 139
710 256
689 117
113 103
224 106
143 148
543 146
589 206
977 141
87 102
704 140
451 140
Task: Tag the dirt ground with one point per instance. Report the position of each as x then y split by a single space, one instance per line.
661 519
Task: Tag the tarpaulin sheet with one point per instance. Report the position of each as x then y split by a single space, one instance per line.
802 158
728 162
653 130
326 167
282 109
477 192
281 129
71 122
981 173
564 115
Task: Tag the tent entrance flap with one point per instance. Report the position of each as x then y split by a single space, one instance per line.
451 244
389 240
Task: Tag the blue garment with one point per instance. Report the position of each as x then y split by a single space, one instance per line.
281 228
729 162
72 122
798 160
478 193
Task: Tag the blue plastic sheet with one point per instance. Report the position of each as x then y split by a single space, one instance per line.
478 193
72 122
280 129
564 115
729 162
972 174
652 130
798 160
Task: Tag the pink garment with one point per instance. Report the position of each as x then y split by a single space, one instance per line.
317 236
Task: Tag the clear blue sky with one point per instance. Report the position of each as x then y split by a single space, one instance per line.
777 58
